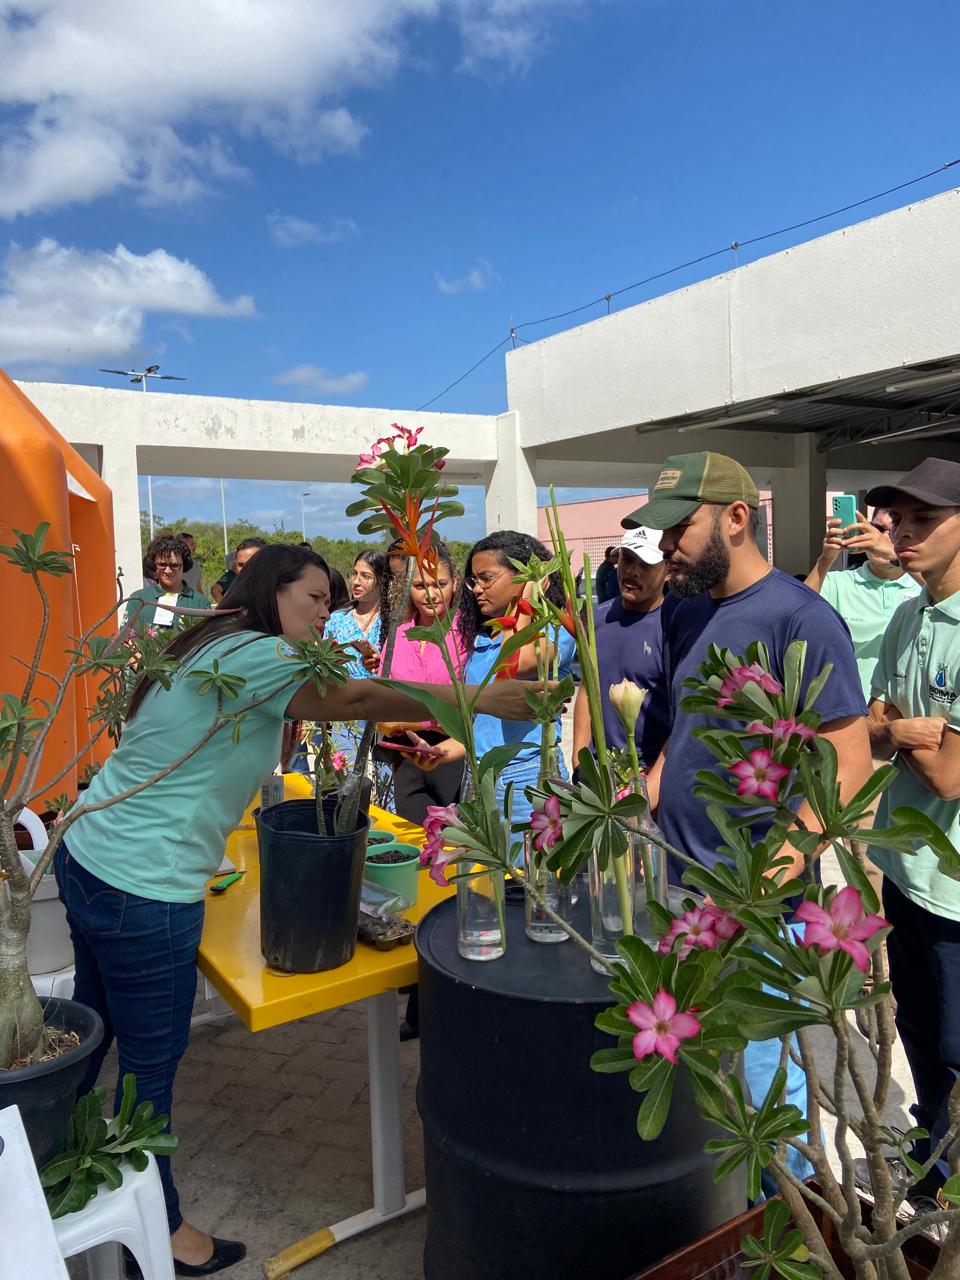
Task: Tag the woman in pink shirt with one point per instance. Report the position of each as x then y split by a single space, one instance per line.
413 787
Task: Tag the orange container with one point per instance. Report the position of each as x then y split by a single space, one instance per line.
44 479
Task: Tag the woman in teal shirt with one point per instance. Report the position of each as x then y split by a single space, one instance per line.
132 875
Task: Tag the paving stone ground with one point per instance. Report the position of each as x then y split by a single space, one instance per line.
274 1134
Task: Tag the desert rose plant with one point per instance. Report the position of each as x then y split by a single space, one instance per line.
103 659
752 955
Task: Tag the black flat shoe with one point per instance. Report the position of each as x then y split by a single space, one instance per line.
225 1254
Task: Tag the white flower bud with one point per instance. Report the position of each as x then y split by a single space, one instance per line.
627 701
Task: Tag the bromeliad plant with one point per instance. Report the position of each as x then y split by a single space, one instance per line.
98 659
749 965
404 494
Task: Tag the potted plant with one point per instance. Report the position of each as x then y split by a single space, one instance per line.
682 1003
44 1044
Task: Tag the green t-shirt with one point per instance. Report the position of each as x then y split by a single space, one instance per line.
918 672
164 842
866 603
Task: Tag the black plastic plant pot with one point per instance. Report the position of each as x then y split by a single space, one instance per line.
46 1091
533 1163
309 889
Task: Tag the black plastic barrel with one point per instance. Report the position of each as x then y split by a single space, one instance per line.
534 1168
309 889
46 1091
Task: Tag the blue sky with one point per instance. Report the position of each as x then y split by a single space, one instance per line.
352 202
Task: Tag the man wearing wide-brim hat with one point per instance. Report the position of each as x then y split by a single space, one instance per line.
915 720
723 592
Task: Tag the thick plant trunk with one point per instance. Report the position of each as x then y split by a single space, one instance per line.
21 1018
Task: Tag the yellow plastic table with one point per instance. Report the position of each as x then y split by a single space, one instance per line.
230 959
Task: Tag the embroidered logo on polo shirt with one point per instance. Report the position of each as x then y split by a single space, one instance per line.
668 479
285 649
938 690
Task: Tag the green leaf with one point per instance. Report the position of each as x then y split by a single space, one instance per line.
607 1060
58 1168
951 1189
73 1195
108 1169
765 1017
642 964
855 875
445 713
918 823
655 1107
497 758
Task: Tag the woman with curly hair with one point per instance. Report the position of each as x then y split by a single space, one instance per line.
166 559
491 592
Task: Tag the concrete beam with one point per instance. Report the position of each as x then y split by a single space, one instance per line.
875 296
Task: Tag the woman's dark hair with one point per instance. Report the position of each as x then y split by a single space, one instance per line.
165 544
254 594
339 592
508 545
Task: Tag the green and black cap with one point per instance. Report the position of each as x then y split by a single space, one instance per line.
685 482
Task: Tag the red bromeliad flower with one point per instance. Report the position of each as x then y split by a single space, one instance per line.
842 924
759 775
660 1027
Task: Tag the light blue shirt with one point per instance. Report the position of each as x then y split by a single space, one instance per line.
488 731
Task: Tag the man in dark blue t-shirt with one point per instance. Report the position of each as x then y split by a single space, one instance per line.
723 591
628 648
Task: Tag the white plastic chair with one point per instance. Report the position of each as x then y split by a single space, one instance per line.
29 1245
134 1215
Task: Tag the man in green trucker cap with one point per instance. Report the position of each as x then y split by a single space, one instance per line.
723 592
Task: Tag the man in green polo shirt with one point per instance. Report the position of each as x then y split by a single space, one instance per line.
915 720
867 597
153 604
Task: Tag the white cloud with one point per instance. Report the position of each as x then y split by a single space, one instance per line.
75 306
104 97
290 232
480 276
316 380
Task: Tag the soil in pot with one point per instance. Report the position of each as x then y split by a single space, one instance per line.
395 868
46 1091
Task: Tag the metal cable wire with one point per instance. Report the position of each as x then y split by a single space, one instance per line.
692 262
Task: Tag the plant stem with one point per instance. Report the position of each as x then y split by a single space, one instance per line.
567 928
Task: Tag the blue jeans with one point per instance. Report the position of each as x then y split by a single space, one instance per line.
136 963
924 954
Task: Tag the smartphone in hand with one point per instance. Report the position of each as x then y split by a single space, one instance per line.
845 508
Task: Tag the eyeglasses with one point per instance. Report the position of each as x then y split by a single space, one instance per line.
473 581
169 564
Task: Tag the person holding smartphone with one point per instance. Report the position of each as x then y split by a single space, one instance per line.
415 787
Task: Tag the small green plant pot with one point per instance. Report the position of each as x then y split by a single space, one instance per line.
379 839
397 872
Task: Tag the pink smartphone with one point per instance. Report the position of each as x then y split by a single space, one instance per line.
411 750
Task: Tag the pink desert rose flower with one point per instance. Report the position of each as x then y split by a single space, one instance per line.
338 761
843 924
702 927
741 676
434 855
783 730
760 775
547 824
660 1027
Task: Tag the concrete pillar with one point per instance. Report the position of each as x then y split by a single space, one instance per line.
120 472
511 499
799 504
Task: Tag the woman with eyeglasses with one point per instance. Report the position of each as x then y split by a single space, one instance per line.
362 623
166 559
490 592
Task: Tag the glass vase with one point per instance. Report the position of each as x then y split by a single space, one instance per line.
611 905
539 926
481 934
